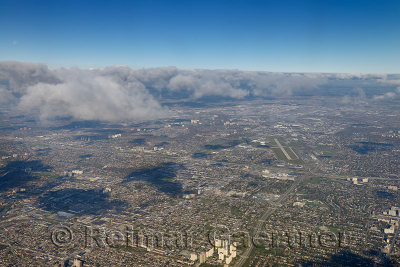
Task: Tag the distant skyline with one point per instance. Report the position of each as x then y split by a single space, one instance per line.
283 36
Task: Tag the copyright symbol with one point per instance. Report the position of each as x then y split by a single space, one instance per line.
62 236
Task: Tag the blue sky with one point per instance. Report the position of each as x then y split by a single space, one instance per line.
294 36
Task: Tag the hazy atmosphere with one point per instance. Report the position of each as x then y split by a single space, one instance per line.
119 93
206 133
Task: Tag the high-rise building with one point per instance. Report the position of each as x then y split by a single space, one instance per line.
78 263
210 252
193 256
221 256
202 257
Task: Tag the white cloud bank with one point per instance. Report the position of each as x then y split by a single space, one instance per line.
122 94
88 96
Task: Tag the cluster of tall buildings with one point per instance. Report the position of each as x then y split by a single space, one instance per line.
225 252
394 211
75 263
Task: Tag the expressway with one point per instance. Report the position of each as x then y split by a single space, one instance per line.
396 235
265 217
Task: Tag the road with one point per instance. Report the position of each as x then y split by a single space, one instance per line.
265 217
396 235
334 176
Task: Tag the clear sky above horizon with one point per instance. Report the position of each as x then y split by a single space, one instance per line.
294 36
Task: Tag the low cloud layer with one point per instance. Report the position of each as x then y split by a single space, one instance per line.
389 95
16 77
120 93
89 96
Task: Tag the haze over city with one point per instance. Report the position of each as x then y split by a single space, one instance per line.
199 133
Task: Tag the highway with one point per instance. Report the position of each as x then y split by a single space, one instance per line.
265 217
334 176
280 201
396 235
